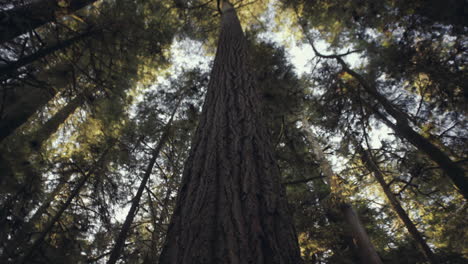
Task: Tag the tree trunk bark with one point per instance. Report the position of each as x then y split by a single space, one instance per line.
22 19
231 207
414 232
119 243
10 67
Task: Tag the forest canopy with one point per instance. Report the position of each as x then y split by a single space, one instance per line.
248 131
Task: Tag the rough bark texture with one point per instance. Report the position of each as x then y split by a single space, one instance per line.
414 232
22 19
231 207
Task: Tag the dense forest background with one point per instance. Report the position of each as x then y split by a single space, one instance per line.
100 99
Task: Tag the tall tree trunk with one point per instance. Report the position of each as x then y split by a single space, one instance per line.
51 126
361 240
403 129
367 159
11 67
22 19
119 243
231 207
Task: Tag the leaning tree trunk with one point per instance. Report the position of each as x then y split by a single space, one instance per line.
21 111
119 243
32 97
361 241
231 207
10 68
20 20
403 130
414 232
51 126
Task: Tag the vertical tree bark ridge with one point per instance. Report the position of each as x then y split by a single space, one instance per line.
231 207
20 20
414 232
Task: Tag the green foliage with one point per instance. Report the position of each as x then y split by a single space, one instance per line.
411 52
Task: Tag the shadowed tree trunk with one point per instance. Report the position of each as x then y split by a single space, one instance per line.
26 100
23 109
231 207
414 232
22 19
361 241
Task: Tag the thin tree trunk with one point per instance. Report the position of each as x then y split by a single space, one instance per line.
48 227
403 130
22 19
361 240
38 138
120 241
231 207
414 232
11 67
